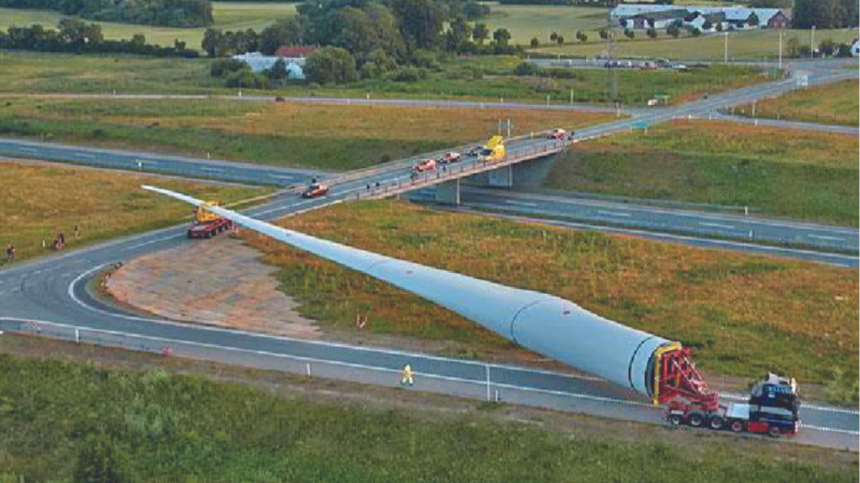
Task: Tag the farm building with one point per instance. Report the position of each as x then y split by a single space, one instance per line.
259 62
642 16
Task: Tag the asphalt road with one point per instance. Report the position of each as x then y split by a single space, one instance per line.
53 289
750 229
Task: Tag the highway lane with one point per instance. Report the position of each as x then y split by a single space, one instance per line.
659 219
54 289
783 124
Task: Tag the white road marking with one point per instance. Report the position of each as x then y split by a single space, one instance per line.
612 213
829 430
717 225
214 170
149 242
821 237
84 155
389 370
520 203
32 150
281 176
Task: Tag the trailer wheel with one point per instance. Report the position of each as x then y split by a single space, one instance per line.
697 420
675 419
737 426
773 432
716 423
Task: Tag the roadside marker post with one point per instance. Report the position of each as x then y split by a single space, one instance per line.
487 366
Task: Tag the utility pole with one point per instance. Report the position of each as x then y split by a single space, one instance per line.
610 51
781 31
812 43
509 128
725 48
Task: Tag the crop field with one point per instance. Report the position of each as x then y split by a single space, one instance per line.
784 173
326 137
830 104
218 423
525 22
31 72
743 315
760 44
227 15
46 199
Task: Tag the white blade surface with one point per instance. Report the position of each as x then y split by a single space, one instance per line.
544 323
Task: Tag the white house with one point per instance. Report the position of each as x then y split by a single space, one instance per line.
259 62
735 16
855 48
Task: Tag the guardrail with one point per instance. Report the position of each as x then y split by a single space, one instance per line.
450 172
400 163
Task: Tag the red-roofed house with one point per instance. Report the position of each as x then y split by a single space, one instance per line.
295 51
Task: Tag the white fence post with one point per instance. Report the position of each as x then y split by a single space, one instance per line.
308 368
77 335
487 366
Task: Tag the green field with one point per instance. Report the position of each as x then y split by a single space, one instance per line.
328 137
45 200
227 15
31 72
231 425
528 21
743 315
747 45
831 104
785 173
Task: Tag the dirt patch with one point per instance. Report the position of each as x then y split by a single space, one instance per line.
218 282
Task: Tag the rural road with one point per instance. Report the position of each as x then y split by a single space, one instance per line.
53 290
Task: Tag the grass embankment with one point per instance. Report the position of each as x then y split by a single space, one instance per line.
33 72
227 15
309 135
273 427
526 22
759 44
787 173
39 201
742 314
831 104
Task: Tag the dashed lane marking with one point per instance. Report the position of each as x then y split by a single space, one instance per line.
822 237
717 225
612 213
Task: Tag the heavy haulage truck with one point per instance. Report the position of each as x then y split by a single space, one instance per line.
772 406
659 369
207 224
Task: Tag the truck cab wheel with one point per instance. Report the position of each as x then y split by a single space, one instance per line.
716 423
696 419
773 432
675 419
737 426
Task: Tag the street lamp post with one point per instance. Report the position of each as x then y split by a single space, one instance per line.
781 32
726 48
812 43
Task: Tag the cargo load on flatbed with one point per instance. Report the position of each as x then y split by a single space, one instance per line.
207 224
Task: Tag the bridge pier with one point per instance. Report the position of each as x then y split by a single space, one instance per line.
448 192
502 177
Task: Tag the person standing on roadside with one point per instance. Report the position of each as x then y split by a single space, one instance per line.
10 253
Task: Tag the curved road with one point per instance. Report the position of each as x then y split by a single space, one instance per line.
37 295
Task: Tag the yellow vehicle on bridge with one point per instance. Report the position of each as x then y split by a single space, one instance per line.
494 150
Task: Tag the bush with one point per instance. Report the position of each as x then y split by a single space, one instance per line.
330 65
427 59
696 32
245 78
535 42
224 66
629 33
406 74
652 33
98 461
674 31
527 68
560 40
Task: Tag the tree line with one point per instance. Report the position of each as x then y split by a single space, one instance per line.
168 13
825 14
77 36
370 39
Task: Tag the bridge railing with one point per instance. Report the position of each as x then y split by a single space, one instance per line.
455 171
401 163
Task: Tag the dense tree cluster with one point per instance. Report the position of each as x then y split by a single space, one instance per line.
825 14
395 39
587 3
170 13
76 36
